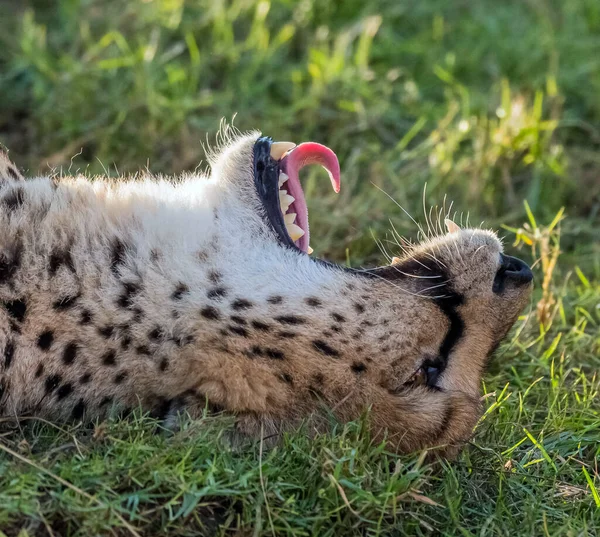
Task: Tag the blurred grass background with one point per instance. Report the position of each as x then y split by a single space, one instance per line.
494 105
487 103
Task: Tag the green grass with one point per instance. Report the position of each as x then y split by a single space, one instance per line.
488 103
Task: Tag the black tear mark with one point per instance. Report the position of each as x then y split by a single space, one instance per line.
290 319
313 301
324 348
66 302
45 340
70 353
52 382
358 368
78 410
241 304
14 199
180 290
17 309
211 313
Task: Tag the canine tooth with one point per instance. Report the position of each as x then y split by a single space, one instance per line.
289 218
285 200
283 177
310 250
278 149
294 231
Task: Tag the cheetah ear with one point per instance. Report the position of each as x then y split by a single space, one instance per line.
395 261
451 226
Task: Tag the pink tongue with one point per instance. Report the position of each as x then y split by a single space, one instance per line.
304 155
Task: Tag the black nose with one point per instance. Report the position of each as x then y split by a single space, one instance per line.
511 271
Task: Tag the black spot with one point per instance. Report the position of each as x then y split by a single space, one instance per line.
164 364
255 350
16 309
324 348
106 331
65 302
52 382
180 290
2 389
286 334
138 315
359 307
130 289
318 378
14 199
209 312
286 377
70 353
290 319
125 342
10 261
120 377
45 340
314 302
157 334
274 354
59 259
259 325
86 317
105 401
78 410
336 328
214 276
39 371
275 299
237 319
117 255
85 378
217 292
327 333
239 330
110 358
366 323
182 340
358 367
241 304
338 318
143 350
9 353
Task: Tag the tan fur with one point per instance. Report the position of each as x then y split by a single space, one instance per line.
157 293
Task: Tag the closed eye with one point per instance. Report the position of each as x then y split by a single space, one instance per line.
427 375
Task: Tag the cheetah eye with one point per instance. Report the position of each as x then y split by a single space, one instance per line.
426 375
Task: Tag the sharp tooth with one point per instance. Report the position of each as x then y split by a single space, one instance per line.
289 218
285 200
294 231
283 177
310 250
278 149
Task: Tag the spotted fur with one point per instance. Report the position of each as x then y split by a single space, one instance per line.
157 294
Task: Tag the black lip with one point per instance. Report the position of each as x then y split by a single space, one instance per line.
266 181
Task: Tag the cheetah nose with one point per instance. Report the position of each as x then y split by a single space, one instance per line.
512 270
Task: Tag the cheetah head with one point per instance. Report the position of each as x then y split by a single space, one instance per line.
416 335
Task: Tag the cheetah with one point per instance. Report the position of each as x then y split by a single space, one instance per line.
171 294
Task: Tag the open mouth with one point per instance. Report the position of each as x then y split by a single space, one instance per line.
276 175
